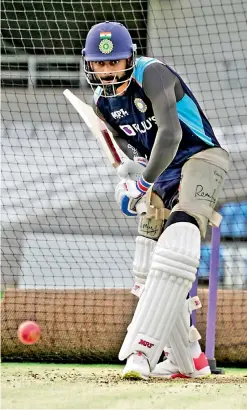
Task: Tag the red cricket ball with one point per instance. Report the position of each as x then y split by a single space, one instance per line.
28 332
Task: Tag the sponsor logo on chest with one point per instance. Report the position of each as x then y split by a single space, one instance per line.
119 114
142 128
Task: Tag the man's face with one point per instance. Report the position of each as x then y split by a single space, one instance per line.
109 72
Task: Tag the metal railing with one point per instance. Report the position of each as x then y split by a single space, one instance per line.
35 73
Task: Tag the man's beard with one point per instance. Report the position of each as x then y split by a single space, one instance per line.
111 88
111 78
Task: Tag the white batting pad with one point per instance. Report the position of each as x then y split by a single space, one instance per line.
182 335
142 261
172 272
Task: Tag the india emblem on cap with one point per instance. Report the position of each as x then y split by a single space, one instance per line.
106 45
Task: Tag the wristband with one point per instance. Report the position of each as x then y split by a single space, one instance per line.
142 185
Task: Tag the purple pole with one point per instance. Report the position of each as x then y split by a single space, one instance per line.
212 296
193 292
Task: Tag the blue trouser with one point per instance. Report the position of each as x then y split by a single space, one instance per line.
167 186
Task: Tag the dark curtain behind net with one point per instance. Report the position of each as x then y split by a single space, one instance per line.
58 27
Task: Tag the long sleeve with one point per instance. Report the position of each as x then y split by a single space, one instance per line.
159 85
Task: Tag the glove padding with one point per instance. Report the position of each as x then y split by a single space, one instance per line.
129 192
132 169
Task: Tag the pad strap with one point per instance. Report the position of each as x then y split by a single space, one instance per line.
152 206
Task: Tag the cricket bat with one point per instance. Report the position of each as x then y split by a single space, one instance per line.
96 126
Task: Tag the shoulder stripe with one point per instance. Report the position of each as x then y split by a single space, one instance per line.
189 114
141 64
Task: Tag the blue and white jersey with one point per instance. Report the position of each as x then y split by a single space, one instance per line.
138 115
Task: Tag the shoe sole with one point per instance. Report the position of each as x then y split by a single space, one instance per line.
134 375
179 376
183 376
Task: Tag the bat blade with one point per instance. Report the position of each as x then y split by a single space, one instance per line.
96 126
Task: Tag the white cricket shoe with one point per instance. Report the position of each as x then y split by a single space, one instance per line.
168 369
137 367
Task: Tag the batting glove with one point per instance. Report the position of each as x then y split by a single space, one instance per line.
129 192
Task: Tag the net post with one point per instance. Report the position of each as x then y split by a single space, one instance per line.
212 301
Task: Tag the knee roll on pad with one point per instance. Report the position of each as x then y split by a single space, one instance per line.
201 220
173 268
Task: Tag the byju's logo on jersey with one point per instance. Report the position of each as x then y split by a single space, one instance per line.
133 129
119 114
140 105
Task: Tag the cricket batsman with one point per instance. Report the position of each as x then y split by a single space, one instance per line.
158 123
